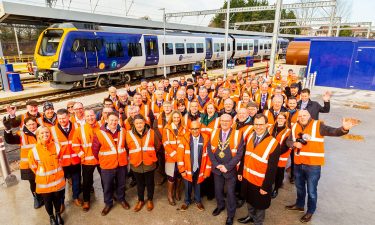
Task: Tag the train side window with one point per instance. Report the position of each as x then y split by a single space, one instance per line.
222 47
114 49
168 48
228 47
199 47
251 46
245 46
239 46
261 46
88 45
151 47
217 47
180 48
134 49
269 46
190 48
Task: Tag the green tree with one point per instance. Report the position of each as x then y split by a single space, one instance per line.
218 20
346 33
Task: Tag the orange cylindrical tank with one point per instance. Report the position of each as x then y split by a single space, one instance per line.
298 52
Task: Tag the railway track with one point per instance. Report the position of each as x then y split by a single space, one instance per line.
70 94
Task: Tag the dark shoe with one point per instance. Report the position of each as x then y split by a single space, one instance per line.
306 218
38 202
62 208
139 206
77 202
86 206
239 203
170 193
217 211
184 207
133 182
291 180
274 193
106 210
52 220
150 205
200 206
295 208
178 189
59 220
125 205
247 219
229 221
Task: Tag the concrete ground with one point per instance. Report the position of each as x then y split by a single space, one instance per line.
346 190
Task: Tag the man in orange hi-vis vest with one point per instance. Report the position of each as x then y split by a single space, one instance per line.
307 139
257 170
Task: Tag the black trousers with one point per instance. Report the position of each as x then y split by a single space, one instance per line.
32 186
279 177
145 180
108 177
292 163
52 200
88 180
230 183
208 187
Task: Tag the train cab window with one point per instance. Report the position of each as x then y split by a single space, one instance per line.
239 46
180 48
134 49
168 48
50 42
222 47
114 49
199 47
151 47
190 48
245 46
217 47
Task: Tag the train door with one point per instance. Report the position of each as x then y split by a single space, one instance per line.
362 75
152 50
256 47
208 48
84 55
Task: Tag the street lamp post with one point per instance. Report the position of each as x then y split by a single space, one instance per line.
226 40
164 42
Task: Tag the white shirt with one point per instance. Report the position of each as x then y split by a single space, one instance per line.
81 122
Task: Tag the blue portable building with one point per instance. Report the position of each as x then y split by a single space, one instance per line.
343 62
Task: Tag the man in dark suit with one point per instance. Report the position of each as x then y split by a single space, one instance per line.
228 148
313 107
192 161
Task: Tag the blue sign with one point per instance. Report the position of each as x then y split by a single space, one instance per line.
113 64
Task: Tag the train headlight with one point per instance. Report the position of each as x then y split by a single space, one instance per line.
55 64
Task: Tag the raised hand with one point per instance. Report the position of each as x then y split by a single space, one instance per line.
327 96
348 123
11 110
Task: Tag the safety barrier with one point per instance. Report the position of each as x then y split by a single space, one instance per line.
19 59
9 178
309 81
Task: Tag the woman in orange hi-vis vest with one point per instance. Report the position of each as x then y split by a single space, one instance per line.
171 138
281 132
140 143
210 119
44 161
26 139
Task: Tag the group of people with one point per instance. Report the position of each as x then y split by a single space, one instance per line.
234 135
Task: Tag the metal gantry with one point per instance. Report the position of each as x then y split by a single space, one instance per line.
285 21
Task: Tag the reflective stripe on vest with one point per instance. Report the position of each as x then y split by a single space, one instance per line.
51 172
265 154
313 136
254 172
145 146
50 184
235 141
23 144
113 149
247 131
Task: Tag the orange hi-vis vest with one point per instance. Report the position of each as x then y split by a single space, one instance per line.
256 159
44 162
112 151
82 143
313 152
171 142
39 120
240 105
214 124
234 141
27 143
235 95
271 118
184 162
74 122
245 130
144 110
294 118
220 105
276 82
186 101
69 157
141 150
156 110
281 138
258 100
160 122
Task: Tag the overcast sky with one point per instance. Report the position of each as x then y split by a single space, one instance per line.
361 10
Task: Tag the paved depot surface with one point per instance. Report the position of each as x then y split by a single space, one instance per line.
346 188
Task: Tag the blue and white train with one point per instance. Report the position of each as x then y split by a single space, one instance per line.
72 55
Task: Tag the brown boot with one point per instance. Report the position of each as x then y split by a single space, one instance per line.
139 206
170 193
150 205
178 189
86 206
62 208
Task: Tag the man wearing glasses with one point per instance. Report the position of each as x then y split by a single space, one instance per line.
227 150
78 119
257 171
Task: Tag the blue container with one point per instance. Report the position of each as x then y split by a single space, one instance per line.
249 61
197 68
9 68
14 82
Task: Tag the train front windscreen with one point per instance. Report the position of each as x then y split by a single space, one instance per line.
50 42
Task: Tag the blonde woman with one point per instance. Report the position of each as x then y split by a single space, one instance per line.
44 160
171 135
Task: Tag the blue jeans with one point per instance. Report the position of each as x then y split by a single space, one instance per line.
73 172
189 187
307 175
